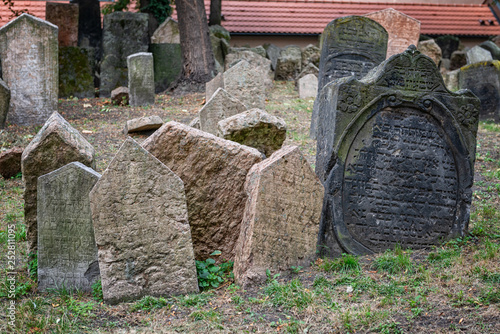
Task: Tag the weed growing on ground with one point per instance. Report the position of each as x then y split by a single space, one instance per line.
148 303
289 295
394 261
211 275
347 263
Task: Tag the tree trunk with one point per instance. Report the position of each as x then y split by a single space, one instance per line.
215 12
197 55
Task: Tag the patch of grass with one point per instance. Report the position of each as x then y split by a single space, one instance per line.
388 328
195 300
493 278
345 264
97 291
443 256
394 261
490 296
490 250
490 126
148 303
289 295
209 315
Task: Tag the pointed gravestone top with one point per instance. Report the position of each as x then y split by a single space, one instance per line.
167 32
141 228
478 54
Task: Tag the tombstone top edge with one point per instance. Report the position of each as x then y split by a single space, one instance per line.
34 19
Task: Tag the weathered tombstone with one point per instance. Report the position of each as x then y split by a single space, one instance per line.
55 145
89 25
308 86
457 60
309 69
75 72
65 17
67 252
451 80
167 32
218 52
403 30
29 53
431 49
10 162
141 83
220 32
258 50
221 105
352 45
145 123
253 58
213 85
247 83
195 123
254 128
478 54
272 53
396 155
278 231
448 44
310 55
289 63
4 102
483 79
213 171
124 34
167 60
141 228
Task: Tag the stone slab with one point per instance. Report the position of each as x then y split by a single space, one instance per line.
213 85
431 49
10 162
141 83
308 86
289 63
477 54
167 32
4 102
167 64
247 83
145 123
65 17
75 73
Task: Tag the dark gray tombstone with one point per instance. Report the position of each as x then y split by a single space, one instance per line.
75 72
167 59
351 45
396 155
483 79
67 252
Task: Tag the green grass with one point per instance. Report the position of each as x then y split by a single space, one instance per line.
291 295
394 261
346 263
148 303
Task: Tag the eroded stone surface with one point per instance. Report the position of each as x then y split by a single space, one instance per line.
310 55
141 84
431 49
55 145
289 63
281 220
253 58
143 124
308 86
272 53
167 60
254 128
213 171
10 162
403 30
120 96
65 17
213 85
75 72
167 32
247 83
221 105
4 102
141 228
478 54
67 252
29 53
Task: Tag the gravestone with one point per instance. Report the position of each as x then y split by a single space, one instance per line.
65 17
253 58
448 44
216 44
457 60
145 123
75 72
213 171
141 228
272 53
431 49
451 80
167 32
247 83
308 86
167 60
4 103
478 54
89 25
403 30
29 53
10 162
213 85
67 252
124 34
483 79
289 63
310 55
221 105
254 128
396 155
278 231
352 45
141 83
55 145
309 69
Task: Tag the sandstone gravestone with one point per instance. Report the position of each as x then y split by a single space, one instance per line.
254 128
213 171
451 80
55 145
221 105
10 162
4 102
145 123
310 55
141 79
478 54
67 252
396 154
124 34
289 63
308 86
247 83
29 53
65 17
352 45
431 49
213 85
403 30
281 221
167 64
141 228
167 32
483 79
75 73
253 58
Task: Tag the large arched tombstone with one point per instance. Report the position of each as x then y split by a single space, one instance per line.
351 46
396 155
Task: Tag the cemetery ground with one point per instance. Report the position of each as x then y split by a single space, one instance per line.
454 287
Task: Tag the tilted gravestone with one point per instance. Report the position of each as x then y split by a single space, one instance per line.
67 252
351 45
403 30
55 145
124 33
396 155
29 53
247 83
478 54
65 17
213 171
281 220
141 79
221 105
167 60
141 228
213 85
483 79
4 102
75 72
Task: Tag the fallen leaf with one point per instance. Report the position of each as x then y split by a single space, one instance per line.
461 321
87 105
